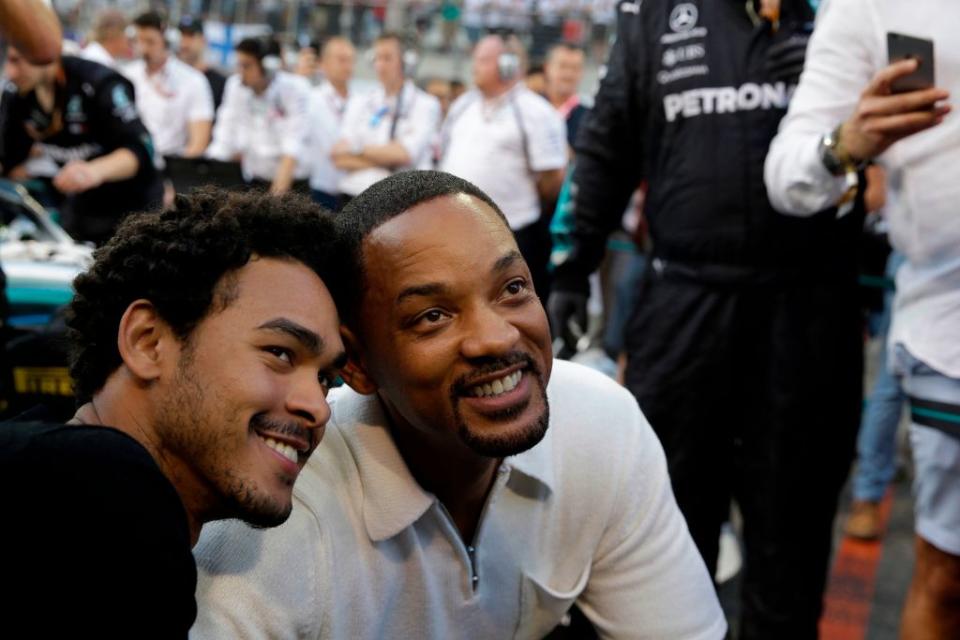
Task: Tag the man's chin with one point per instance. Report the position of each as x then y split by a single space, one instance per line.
503 442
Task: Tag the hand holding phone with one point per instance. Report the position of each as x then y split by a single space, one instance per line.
899 101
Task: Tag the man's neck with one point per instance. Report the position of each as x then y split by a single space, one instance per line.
46 92
558 99
393 88
111 407
445 467
261 87
157 65
493 93
197 63
339 87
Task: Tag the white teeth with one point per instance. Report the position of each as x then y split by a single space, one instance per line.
285 450
499 386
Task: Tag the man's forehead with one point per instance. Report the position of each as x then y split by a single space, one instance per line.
440 233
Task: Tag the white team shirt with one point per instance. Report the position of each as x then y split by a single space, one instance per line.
484 143
326 110
263 129
169 100
368 121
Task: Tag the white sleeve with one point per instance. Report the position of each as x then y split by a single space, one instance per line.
841 59
295 123
546 137
250 585
222 145
201 99
421 126
648 580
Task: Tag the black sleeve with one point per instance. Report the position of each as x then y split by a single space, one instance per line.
609 153
15 144
100 538
117 125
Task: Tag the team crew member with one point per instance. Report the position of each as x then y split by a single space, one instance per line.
193 51
469 486
328 101
563 72
390 128
846 111
173 99
744 353
81 115
263 119
512 144
108 42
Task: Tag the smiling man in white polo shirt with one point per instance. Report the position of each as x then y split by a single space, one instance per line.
512 144
390 128
174 99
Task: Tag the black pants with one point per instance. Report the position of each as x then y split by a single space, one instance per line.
755 393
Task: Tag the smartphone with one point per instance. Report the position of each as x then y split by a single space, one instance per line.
902 47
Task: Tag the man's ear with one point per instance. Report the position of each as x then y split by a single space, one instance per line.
145 341
354 373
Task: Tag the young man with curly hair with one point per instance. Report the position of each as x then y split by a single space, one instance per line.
203 344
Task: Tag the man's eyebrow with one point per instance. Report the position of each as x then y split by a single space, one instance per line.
431 289
506 261
307 338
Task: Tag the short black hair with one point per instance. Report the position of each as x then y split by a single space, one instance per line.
150 20
377 205
259 48
177 258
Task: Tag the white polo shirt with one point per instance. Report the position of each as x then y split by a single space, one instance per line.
325 119
585 516
263 128
169 100
499 144
369 119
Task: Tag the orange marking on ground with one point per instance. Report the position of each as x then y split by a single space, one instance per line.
850 588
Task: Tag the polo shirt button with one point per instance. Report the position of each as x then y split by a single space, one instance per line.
476 579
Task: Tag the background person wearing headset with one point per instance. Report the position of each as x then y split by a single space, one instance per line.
174 99
512 144
391 127
263 118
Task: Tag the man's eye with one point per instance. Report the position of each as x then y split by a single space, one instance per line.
281 353
516 286
432 316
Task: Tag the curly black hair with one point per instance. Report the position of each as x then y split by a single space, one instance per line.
384 200
176 259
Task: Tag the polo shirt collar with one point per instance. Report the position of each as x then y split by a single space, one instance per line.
392 498
537 463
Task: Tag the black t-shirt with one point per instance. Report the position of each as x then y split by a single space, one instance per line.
95 538
95 115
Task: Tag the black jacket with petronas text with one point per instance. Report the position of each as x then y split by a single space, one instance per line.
689 104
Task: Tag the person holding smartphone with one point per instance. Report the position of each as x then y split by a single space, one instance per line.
846 111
